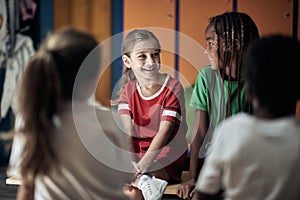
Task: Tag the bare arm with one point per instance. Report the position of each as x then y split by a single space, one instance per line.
127 123
201 123
198 134
158 142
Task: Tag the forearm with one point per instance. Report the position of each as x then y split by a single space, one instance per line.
198 134
158 142
194 160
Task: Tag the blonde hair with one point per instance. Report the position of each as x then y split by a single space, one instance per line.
128 44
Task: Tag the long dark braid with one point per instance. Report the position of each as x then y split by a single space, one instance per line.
234 30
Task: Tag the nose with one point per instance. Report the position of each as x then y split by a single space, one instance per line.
206 50
149 60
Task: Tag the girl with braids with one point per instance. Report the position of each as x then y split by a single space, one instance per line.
257 155
219 91
51 153
151 105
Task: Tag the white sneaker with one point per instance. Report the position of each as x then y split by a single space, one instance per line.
160 184
152 188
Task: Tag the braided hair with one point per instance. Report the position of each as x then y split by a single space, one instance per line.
233 33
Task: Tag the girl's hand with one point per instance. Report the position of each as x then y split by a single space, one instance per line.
137 169
186 190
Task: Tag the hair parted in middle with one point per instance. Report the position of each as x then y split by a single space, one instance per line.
130 40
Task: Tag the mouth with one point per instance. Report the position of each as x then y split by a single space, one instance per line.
150 68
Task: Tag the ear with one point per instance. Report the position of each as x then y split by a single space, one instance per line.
126 60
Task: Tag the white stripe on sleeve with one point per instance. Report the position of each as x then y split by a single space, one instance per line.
123 106
172 114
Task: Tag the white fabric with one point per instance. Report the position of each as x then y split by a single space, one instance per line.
14 68
15 65
254 159
83 174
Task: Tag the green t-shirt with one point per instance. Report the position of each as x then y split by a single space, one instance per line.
211 94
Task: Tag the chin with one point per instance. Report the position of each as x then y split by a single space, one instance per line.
214 67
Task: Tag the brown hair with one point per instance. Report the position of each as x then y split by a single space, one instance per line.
47 83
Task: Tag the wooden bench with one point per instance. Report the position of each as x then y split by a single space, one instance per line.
170 192
172 189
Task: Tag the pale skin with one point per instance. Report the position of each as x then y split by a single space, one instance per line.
144 60
186 190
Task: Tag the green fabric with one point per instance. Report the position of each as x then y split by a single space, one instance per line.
209 95
190 112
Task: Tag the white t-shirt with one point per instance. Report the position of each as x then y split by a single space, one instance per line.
254 159
94 154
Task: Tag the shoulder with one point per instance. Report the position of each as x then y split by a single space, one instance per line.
205 74
235 131
206 70
105 117
130 87
131 84
111 126
172 82
238 119
238 126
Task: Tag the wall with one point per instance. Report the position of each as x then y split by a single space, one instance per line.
94 17
187 18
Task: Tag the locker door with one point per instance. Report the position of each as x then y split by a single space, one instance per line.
93 17
270 16
159 14
193 18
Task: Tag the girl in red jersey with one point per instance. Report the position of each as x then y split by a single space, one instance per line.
151 105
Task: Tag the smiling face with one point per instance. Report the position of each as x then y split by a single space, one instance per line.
212 47
144 60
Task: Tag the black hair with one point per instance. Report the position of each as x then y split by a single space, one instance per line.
236 30
272 69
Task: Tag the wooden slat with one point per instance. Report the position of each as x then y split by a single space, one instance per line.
171 189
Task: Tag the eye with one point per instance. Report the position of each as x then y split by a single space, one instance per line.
142 56
210 44
155 55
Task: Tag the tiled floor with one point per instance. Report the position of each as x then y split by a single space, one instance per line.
7 192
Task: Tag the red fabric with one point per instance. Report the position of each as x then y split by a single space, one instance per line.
147 113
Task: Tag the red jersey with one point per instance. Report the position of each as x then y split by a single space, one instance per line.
167 104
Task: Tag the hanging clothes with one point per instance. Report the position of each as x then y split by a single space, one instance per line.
14 64
14 68
27 9
15 51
